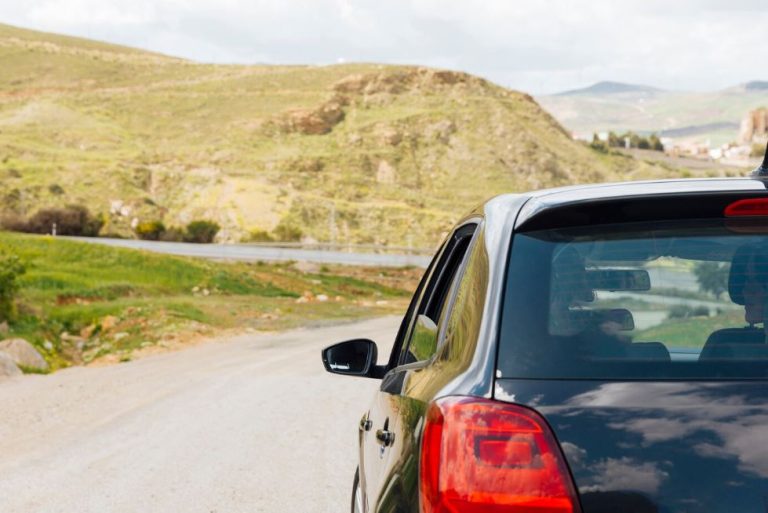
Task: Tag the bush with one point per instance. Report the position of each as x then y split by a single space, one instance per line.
286 232
679 312
150 230
10 269
259 236
685 311
70 220
201 231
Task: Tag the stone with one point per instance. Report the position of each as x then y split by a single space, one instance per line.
108 322
23 353
385 173
87 332
8 367
322 297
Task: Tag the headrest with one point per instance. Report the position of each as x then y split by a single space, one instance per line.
737 277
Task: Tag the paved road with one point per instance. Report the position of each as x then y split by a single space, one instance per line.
251 252
248 424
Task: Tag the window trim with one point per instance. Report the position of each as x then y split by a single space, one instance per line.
448 249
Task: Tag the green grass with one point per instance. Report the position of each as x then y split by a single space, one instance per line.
79 302
690 332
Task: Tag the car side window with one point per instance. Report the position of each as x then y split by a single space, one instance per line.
421 341
399 344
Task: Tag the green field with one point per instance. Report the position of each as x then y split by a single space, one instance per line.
81 302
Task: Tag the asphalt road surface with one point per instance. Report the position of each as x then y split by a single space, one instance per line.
247 424
254 252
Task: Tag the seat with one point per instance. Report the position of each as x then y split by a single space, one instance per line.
734 343
655 351
737 343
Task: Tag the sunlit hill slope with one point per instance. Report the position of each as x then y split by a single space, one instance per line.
351 153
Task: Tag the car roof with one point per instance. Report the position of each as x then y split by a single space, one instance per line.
537 202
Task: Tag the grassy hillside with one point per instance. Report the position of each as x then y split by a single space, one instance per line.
356 153
81 302
706 115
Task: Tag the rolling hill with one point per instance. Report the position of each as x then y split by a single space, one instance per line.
713 116
353 153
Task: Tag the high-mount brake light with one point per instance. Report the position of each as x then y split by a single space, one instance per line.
483 456
750 207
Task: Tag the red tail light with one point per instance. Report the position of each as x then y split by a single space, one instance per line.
747 207
483 456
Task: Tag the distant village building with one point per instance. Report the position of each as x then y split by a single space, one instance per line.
754 127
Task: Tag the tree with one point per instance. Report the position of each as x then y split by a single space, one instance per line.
712 277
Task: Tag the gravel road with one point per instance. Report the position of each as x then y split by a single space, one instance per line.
247 424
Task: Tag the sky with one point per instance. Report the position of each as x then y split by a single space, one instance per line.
537 46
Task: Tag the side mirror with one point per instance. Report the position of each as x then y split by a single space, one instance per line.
352 358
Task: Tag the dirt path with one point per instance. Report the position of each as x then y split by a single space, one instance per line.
248 424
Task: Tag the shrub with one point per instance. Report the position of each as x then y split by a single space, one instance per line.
679 312
258 236
56 189
201 231
150 230
10 269
70 220
287 232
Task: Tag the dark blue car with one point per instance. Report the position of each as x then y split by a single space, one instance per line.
584 349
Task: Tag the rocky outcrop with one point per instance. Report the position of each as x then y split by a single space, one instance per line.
754 126
8 367
23 353
313 122
398 82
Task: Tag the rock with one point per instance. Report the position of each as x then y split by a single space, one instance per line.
48 345
23 353
108 322
87 331
120 336
307 267
8 367
390 136
322 297
314 122
385 173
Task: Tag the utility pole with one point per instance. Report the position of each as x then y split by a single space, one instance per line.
53 230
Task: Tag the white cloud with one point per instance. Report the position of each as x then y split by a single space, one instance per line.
536 46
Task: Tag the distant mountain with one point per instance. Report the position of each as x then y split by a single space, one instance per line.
756 85
702 116
607 87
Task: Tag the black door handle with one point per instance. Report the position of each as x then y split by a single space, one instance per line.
365 424
384 437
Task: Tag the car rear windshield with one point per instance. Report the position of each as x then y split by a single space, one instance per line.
673 300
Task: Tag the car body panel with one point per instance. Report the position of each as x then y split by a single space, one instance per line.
676 447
